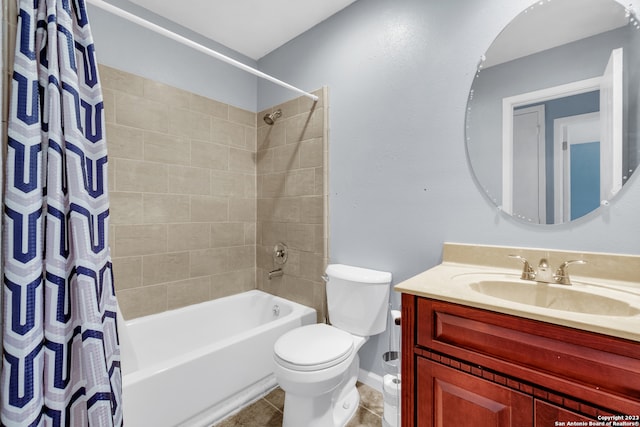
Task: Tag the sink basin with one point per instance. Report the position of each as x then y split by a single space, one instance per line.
573 298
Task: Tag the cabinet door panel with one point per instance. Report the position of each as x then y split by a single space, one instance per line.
446 397
547 415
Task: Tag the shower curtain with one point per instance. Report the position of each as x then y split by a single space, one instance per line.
61 361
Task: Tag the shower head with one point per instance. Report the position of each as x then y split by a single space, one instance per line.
270 118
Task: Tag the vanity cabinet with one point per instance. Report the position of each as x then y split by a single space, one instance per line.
467 366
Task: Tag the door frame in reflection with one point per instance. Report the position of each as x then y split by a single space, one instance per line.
611 87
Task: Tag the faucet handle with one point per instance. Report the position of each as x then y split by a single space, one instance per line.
562 274
528 273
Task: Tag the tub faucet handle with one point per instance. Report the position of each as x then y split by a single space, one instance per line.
562 274
528 273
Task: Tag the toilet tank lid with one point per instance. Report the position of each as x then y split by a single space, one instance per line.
358 274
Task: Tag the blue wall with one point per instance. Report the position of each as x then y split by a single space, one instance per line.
399 73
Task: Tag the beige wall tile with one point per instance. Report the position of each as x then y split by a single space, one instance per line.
312 210
265 161
189 180
241 257
303 127
226 132
243 117
271 136
311 266
272 185
283 209
111 78
125 142
166 208
311 153
250 186
209 106
242 160
301 236
249 233
187 292
134 175
167 149
272 233
242 210
125 208
189 123
141 113
209 155
250 139
227 184
127 272
168 95
166 267
301 182
132 240
138 302
188 236
231 283
209 209
209 261
227 234
285 158
109 98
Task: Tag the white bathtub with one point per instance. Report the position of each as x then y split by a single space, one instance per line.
194 365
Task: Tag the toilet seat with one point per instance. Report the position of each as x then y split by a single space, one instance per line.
313 347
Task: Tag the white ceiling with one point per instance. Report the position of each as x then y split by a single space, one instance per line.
549 24
251 27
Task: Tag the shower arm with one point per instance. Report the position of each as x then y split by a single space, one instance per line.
190 43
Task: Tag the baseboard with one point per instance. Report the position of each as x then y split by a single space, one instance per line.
371 379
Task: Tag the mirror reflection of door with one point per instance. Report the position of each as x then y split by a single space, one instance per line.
536 174
529 164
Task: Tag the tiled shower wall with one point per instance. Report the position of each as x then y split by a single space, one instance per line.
292 200
182 180
201 191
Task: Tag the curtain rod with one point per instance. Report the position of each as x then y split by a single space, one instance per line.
188 42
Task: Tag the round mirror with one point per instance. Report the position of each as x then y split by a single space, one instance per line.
553 113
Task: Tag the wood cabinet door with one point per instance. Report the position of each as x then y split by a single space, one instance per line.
446 397
549 415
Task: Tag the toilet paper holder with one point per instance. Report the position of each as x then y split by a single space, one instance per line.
391 362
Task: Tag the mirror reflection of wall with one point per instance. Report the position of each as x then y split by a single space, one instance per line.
548 196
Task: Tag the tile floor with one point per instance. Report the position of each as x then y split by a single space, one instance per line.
267 412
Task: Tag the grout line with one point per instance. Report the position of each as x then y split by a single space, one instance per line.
272 405
371 411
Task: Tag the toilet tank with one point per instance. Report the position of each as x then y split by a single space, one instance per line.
357 299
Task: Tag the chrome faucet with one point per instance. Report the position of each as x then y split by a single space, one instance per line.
544 273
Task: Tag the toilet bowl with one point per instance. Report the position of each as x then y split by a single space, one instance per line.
317 365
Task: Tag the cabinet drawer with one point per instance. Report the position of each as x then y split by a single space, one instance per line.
544 354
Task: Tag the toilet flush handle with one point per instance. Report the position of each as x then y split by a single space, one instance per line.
325 277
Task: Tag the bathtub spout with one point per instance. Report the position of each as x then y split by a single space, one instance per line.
275 273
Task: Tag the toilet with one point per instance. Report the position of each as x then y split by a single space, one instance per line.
317 365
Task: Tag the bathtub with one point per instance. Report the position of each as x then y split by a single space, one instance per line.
193 366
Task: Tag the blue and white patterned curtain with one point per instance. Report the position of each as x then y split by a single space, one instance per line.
61 361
